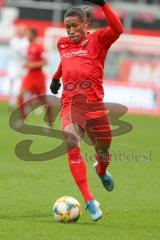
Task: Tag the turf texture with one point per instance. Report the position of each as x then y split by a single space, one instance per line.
29 189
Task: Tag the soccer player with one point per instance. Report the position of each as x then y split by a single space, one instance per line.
34 83
82 58
17 48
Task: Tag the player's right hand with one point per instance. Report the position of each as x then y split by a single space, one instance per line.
97 2
55 85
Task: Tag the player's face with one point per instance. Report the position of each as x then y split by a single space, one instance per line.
76 28
30 36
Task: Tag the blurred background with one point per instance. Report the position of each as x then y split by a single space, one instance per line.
133 64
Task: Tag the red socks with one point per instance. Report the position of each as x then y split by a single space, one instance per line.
79 172
103 162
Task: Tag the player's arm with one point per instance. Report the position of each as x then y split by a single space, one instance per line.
115 28
113 19
38 64
58 73
55 83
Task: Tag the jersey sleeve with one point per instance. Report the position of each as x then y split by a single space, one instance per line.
58 73
108 35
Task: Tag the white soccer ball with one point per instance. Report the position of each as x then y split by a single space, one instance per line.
67 210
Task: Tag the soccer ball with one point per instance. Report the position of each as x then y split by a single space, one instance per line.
67 210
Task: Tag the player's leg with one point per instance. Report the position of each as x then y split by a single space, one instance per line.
100 133
102 155
24 108
49 113
73 134
24 95
39 88
103 160
22 100
77 165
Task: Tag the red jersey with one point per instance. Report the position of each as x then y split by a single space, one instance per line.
35 79
35 52
83 62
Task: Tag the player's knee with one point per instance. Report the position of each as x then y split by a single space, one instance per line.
72 141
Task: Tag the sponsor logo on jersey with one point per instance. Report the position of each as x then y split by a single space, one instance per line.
80 53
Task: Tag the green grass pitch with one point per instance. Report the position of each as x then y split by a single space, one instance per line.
29 189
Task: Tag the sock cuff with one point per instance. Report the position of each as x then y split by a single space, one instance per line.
74 153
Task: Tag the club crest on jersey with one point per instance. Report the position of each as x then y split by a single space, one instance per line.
85 42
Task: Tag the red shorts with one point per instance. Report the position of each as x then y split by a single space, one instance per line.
34 83
91 117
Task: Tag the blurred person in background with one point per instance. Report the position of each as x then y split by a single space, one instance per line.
34 82
17 49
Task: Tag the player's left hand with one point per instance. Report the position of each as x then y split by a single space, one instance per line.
97 2
55 86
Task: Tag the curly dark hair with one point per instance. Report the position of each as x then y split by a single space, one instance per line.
84 14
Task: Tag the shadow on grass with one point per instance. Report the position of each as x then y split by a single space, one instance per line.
45 218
